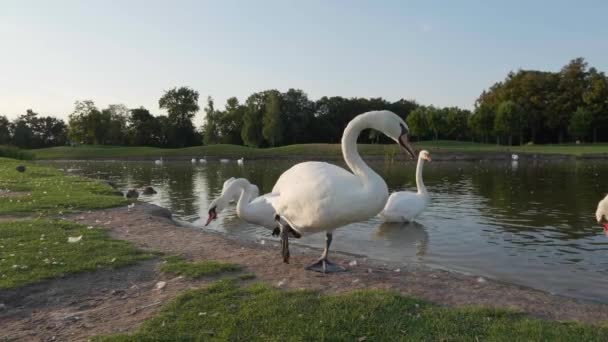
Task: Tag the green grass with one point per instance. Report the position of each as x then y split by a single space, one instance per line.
34 250
302 150
226 312
48 191
178 266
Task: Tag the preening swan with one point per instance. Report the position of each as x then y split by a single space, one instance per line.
313 197
601 214
250 206
405 206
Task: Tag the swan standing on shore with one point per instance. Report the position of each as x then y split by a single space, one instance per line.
601 214
405 206
312 197
250 206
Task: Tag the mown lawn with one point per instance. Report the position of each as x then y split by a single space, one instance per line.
226 311
302 150
43 190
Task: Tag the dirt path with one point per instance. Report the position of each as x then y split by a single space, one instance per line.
112 301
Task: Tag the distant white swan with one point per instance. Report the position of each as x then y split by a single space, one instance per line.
312 197
159 161
223 160
601 214
240 161
514 157
202 160
193 160
250 206
405 206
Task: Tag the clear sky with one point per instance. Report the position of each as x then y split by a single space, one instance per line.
53 53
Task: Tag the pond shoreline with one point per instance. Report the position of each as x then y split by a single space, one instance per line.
145 227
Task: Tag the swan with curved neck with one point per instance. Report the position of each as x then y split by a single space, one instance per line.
601 214
405 206
313 197
250 206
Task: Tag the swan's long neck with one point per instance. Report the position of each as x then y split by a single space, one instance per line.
244 198
349 149
419 182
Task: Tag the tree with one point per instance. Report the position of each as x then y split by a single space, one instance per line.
418 123
508 120
571 86
181 105
482 122
297 113
457 123
230 123
5 134
595 99
437 122
144 129
272 120
252 120
210 128
580 123
114 119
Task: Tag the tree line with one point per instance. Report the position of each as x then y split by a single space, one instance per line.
527 106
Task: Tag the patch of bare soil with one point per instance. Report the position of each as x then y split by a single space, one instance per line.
49 311
88 304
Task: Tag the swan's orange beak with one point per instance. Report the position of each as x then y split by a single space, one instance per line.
212 216
406 146
606 228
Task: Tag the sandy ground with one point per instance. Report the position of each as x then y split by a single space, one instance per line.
110 301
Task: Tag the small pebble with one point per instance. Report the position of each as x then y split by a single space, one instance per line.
161 285
353 263
481 280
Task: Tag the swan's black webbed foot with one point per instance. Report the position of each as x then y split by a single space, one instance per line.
325 266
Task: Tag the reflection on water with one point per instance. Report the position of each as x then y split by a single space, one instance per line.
528 221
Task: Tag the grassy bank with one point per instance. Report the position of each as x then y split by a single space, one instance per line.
34 250
44 190
39 248
303 150
226 311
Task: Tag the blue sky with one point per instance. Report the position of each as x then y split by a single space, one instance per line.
53 53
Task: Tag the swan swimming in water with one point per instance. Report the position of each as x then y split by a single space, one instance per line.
405 206
312 197
601 214
250 206
240 161
159 161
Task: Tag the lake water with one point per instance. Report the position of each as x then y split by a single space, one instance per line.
530 222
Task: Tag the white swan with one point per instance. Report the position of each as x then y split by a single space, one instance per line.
159 161
223 160
193 160
515 157
405 206
312 197
202 160
250 206
601 214
240 161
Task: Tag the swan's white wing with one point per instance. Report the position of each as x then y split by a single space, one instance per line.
404 206
318 196
260 211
